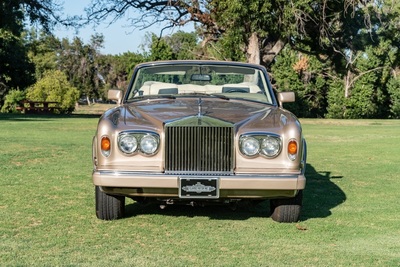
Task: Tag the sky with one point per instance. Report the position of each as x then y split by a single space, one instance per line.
118 38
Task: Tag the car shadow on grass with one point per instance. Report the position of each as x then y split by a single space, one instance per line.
320 197
242 211
321 194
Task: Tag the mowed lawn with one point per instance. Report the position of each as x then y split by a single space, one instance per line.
351 214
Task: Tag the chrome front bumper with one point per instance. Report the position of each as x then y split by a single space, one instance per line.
128 179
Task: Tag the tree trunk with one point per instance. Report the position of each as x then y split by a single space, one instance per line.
271 50
253 49
347 84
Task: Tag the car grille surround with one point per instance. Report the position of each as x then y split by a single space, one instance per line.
199 150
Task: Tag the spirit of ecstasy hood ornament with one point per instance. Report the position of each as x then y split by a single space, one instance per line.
199 102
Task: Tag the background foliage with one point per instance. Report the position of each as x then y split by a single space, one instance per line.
54 87
12 101
340 57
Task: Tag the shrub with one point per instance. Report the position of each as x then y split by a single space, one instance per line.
54 86
336 101
362 103
393 88
12 101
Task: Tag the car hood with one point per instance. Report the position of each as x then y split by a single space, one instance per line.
153 114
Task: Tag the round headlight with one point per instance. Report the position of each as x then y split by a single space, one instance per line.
270 146
127 143
250 146
148 144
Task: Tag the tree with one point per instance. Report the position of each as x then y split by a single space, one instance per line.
184 45
54 86
16 70
86 68
394 92
43 51
116 70
178 46
160 50
365 84
374 28
304 75
79 62
259 29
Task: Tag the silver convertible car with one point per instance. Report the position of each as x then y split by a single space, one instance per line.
201 132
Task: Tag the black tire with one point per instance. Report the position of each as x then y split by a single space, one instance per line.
286 210
109 207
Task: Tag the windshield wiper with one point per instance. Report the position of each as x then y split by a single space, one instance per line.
143 97
221 96
206 95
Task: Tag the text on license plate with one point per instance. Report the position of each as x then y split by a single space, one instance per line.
198 187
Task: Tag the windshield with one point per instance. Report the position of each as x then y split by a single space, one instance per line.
226 81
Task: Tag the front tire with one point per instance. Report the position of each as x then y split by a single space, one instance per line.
286 210
109 207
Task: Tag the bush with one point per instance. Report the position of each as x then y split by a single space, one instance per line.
336 101
301 74
54 86
393 88
362 102
365 100
12 101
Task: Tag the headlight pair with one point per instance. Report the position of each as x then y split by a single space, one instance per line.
268 145
132 142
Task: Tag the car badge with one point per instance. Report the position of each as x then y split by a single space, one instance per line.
198 188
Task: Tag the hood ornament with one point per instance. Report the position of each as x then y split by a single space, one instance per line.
199 102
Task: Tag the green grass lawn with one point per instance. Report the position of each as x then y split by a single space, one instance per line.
351 214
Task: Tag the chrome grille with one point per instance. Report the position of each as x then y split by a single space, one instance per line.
206 150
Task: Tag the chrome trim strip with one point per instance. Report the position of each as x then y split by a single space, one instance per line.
234 176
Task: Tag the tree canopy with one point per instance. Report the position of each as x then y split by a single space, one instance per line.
15 67
258 29
54 87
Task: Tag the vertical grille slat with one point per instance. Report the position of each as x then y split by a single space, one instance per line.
205 150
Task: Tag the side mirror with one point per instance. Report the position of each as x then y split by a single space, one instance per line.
285 97
115 95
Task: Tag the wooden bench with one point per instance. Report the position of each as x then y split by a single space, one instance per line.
38 107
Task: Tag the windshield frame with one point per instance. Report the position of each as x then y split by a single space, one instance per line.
223 68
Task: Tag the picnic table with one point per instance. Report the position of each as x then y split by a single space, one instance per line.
28 106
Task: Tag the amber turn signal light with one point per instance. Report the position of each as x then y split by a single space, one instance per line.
105 144
292 147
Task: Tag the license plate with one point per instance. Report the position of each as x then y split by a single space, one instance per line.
195 187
